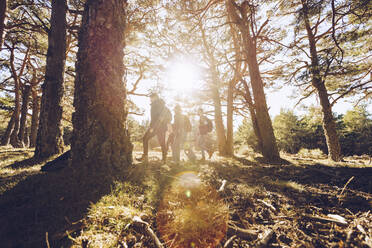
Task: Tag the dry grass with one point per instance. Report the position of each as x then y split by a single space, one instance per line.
192 214
107 219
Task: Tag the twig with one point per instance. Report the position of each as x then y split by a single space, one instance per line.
241 233
47 240
324 219
342 191
267 204
229 241
138 222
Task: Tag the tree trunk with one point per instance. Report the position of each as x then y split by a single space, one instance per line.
49 137
6 136
269 146
14 141
24 110
329 125
100 141
2 21
256 128
220 128
229 119
35 116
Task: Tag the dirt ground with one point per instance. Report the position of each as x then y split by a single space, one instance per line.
301 202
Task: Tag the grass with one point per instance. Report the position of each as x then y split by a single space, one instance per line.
106 221
97 213
12 170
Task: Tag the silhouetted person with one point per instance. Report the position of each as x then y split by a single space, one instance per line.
180 128
160 118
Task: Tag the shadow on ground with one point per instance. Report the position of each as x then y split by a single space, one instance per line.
306 184
42 203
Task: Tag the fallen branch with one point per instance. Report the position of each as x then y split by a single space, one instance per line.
229 241
267 204
138 223
342 191
266 236
324 219
241 233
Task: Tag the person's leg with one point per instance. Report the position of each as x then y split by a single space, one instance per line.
202 146
161 138
148 135
176 149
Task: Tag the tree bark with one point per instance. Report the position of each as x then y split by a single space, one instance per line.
14 141
269 147
229 119
2 21
220 128
35 116
24 110
5 139
100 141
329 124
49 137
256 128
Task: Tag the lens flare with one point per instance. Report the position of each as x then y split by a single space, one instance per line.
191 213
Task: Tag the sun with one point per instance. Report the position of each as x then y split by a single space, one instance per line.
183 76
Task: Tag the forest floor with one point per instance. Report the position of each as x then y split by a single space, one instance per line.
221 202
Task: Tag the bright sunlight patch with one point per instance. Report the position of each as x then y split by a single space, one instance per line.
191 213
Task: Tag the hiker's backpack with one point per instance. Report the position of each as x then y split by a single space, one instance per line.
187 124
209 125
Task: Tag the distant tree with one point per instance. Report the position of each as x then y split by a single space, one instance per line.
49 137
330 55
11 135
22 134
289 131
245 135
100 141
357 132
313 130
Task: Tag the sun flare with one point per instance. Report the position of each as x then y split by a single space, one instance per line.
183 76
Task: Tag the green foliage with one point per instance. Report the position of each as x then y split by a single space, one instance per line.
305 135
356 135
245 135
289 131
136 130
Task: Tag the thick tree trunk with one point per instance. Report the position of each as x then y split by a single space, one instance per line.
49 137
2 21
329 125
269 147
24 110
5 139
100 140
35 116
252 111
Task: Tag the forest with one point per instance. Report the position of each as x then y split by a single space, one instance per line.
276 150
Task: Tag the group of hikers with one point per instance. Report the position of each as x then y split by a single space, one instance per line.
161 118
